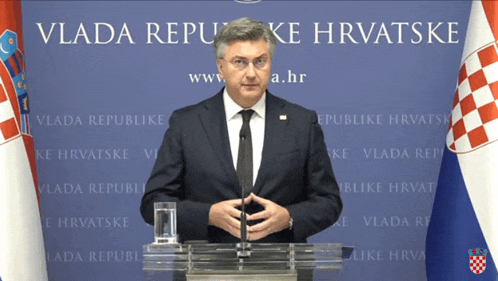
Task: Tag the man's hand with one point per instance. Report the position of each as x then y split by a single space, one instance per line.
226 216
275 218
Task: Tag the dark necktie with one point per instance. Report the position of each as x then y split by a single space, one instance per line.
244 160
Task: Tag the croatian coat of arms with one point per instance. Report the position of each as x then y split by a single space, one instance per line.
477 260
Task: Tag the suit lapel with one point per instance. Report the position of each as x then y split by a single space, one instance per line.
274 132
213 120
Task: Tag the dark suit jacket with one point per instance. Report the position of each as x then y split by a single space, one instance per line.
194 167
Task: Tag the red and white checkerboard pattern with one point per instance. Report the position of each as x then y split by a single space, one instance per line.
8 124
474 118
477 264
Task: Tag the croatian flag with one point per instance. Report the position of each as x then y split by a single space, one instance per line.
22 252
462 238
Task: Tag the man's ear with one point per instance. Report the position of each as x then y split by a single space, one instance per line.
220 68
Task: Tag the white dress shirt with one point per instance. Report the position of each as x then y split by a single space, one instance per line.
257 125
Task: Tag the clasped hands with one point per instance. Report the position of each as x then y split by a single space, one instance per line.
225 215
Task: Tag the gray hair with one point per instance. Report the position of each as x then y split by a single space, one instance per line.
243 29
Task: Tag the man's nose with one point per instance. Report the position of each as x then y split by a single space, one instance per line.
251 70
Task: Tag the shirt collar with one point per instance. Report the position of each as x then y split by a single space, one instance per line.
232 108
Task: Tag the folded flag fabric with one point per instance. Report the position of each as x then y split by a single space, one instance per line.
462 237
22 251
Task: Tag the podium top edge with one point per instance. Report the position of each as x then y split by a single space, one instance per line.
345 250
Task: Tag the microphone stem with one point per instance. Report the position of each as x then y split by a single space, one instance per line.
243 228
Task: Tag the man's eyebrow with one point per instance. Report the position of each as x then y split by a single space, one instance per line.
263 56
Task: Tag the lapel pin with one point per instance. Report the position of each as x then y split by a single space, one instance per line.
283 117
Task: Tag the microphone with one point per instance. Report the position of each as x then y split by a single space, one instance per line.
244 173
243 133
243 221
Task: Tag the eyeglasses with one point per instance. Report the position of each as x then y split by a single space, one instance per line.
240 63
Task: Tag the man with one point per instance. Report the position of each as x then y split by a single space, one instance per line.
293 192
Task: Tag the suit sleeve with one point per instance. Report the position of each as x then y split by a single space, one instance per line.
323 204
166 184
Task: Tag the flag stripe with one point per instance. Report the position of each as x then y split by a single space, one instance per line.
22 257
3 96
6 83
454 228
491 11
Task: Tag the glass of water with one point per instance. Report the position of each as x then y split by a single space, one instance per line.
165 222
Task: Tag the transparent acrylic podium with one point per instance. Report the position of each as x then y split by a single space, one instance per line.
243 261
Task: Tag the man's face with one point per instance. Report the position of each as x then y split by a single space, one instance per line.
246 68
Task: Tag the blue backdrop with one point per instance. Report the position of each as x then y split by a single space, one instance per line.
104 78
